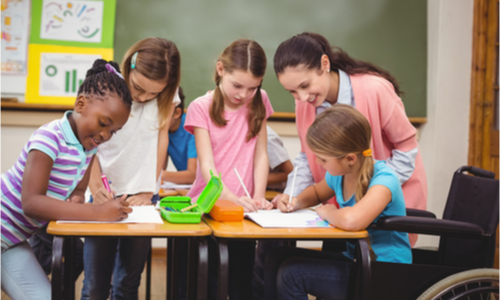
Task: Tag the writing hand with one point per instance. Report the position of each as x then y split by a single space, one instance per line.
102 195
248 204
263 204
115 210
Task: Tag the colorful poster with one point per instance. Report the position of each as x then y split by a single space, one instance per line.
61 74
56 72
75 23
79 21
15 30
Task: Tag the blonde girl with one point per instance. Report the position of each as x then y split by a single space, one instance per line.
229 125
366 190
133 163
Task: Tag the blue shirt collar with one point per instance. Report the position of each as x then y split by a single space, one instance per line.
69 135
345 94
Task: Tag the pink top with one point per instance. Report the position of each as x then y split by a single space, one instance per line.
229 146
375 98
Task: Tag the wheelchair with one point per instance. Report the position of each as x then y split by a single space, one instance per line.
461 267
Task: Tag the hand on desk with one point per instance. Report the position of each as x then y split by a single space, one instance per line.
140 199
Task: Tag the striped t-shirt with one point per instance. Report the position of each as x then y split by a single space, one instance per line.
58 141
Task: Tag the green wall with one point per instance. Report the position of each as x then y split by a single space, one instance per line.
389 33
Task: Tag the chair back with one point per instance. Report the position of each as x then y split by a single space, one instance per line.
473 198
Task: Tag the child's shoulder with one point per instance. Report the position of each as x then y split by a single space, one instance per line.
382 173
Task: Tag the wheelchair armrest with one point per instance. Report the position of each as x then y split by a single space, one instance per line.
412 212
429 226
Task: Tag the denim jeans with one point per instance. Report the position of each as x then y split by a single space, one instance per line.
119 259
22 275
293 273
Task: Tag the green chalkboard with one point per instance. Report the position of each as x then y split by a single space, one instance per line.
389 33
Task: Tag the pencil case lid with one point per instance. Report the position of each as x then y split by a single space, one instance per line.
210 193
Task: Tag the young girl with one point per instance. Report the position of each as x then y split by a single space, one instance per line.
49 179
319 76
133 162
229 125
366 190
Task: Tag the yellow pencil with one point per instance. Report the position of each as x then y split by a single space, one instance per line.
189 207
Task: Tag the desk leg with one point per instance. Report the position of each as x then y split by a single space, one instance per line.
364 270
202 285
172 269
222 288
57 251
68 278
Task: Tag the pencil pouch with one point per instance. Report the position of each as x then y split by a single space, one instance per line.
171 207
228 211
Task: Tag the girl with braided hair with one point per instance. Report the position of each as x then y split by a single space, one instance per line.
50 177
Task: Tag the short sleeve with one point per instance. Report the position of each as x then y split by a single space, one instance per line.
191 149
45 141
387 178
198 114
276 151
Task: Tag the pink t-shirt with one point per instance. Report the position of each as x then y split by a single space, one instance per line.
229 146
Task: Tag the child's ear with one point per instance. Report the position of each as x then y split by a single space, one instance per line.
177 113
219 68
351 158
80 103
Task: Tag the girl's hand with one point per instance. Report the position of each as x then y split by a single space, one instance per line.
102 195
324 209
249 205
140 199
115 210
76 199
277 198
287 205
263 204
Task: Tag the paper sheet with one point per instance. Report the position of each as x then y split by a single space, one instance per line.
139 214
304 218
167 185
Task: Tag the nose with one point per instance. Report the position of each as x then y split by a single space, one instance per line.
106 135
243 94
302 96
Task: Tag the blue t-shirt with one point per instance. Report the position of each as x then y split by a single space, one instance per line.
181 146
389 246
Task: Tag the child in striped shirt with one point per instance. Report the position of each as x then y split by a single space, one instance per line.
49 179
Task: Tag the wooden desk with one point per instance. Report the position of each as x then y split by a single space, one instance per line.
224 231
196 233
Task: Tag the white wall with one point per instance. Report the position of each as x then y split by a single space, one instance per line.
443 139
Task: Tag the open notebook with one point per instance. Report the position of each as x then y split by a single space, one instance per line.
303 218
139 214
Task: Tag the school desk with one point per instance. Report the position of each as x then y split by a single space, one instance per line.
246 229
197 235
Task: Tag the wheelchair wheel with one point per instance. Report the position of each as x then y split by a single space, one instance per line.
472 284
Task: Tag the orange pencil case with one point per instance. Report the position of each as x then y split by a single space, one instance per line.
225 210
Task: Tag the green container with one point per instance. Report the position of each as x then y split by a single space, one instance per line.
206 201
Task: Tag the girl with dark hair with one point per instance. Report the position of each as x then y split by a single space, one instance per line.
319 76
50 177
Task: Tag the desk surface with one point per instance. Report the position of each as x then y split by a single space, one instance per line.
249 229
121 229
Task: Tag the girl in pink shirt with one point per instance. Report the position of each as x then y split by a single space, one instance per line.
229 126
319 76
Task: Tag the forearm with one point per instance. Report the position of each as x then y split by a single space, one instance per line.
308 198
181 177
276 177
46 209
95 182
261 171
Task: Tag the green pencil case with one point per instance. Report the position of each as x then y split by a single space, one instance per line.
170 207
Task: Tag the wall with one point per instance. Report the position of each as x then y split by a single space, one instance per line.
443 139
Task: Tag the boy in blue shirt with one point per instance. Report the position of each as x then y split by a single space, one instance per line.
181 148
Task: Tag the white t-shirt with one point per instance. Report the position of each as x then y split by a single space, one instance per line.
128 159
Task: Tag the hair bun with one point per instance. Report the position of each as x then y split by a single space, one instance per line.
99 66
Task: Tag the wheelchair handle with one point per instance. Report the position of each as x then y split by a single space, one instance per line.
476 171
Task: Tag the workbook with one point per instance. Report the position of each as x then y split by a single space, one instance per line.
304 218
139 214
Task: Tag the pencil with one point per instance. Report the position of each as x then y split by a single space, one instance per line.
242 184
293 184
189 207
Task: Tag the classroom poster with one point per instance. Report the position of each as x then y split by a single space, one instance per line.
15 33
67 36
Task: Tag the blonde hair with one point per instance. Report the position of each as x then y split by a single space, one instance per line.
340 130
244 55
157 59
